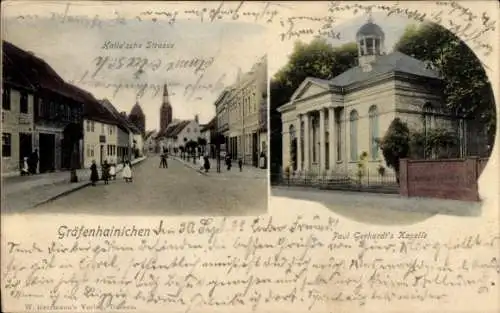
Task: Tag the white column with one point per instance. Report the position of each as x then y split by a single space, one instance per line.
306 142
322 153
331 137
298 133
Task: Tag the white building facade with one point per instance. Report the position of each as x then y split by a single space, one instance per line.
100 142
329 124
17 128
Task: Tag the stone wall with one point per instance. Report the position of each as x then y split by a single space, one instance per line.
447 179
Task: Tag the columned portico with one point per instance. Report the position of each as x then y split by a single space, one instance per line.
331 137
306 141
322 152
299 144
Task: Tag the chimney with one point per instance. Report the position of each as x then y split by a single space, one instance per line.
196 119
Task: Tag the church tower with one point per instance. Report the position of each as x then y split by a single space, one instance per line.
370 39
165 110
138 118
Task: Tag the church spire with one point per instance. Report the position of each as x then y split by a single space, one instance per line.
165 110
166 101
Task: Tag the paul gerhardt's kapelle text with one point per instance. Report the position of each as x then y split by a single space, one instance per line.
242 264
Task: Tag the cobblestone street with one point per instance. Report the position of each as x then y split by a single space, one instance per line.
177 190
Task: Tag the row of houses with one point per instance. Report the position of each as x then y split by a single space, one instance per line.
241 115
65 125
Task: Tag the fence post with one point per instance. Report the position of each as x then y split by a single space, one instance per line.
403 177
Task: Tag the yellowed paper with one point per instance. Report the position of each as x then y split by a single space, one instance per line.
246 246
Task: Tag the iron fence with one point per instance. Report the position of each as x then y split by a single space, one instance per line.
369 181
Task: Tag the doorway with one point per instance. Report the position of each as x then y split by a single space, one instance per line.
47 152
101 154
25 146
293 154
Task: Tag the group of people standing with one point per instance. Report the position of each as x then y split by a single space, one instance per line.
30 164
108 172
204 163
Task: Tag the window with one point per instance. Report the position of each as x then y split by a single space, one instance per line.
102 128
88 126
6 98
188 130
92 126
339 135
6 144
111 129
24 103
353 118
373 114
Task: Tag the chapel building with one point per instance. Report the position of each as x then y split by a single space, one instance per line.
328 124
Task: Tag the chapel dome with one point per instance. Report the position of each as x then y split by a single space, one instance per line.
370 29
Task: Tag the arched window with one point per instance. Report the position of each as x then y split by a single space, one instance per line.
353 118
373 114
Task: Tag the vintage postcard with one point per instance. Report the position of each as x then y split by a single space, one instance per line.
233 156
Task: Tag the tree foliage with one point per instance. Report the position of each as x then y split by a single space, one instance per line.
316 59
437 142
467 89
395 144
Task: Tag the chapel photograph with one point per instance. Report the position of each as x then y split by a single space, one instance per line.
398 116
136 117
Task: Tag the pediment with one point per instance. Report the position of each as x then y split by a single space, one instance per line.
307 89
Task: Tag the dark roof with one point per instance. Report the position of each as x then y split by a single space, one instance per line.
173 129
136 110
370 28
149 133
123 123
93 108
209 125
24 69
393 62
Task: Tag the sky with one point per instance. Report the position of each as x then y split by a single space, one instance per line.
74 50
70 36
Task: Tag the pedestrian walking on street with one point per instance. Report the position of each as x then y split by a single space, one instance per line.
105 172
25 169
33 162
112 172
94 176
127 172
228 161
163 162
240 164
201 162
262 161
206 163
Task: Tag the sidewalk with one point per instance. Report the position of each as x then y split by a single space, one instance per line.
23 192
247 172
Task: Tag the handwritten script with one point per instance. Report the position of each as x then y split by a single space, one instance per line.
243 264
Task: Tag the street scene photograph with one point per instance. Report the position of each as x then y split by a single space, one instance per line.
138 116
392 124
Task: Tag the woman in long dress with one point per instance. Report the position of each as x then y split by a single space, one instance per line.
94 176
105 172
201 162
25 170
112 172
127 172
